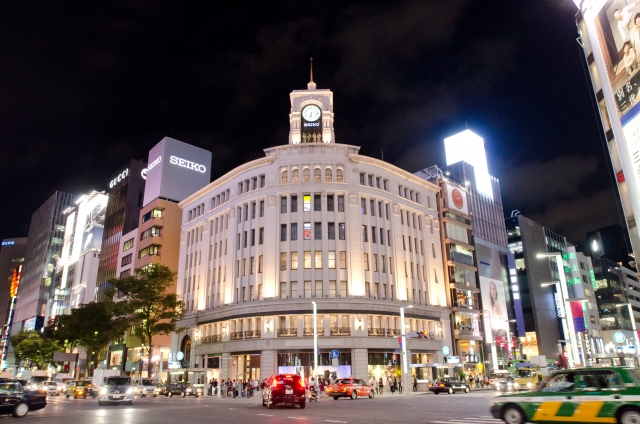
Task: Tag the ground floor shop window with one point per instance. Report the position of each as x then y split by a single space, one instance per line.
301 363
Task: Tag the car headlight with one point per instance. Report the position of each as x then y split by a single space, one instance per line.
188 390
517 384
529 385
130 390
103 391
509 384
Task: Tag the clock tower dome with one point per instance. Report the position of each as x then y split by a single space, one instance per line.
311 116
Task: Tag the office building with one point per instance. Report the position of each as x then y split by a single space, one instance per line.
11 261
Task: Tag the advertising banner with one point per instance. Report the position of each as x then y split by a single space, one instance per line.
456 198
494 302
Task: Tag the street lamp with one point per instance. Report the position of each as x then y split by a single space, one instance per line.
633 321
404 347
564 294
315 345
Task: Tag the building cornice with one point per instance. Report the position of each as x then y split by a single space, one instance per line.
394 169
226 177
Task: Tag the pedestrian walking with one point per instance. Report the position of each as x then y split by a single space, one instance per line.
394 386
477 381
380 386
415 383
400 385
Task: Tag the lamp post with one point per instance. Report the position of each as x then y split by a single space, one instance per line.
315 345
404 347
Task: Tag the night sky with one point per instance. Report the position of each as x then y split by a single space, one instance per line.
86 86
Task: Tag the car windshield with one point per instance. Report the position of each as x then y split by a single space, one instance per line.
117 381
290 381
499 375
83 383
148 382
49 383
343 381
6 388
523 373
160 385
558 383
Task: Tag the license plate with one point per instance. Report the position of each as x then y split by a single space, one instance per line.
289 392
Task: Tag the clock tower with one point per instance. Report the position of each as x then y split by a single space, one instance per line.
311 116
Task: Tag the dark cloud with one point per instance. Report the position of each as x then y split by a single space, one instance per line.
85 86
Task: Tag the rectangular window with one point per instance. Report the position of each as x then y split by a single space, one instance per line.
125 273
386 207
127 245
378 179
261 237
307 259
362 176
411 268
294 289
244 235
332 288
374 262
151 232
283 204
261 208
370 180
318 288
331 232
246 212
341 231
260 264
343 259
283 290
294 203
410 248
253 237
307 289
372 207
366 261
388 237
239 210
126 260
406 269
154 213
283 232
381 236
253 210
433 249
340 203
376 290
317 231
306 206
401 218
386 185
244 267
367 286
283 261
253 265
363 206
306 231
373 234
262 179
318 259
330 203
317 204
294 231
390 265
384 264
331 258
421 246
404 243
238 241
153 250
364 234
380 209
343 293
294 260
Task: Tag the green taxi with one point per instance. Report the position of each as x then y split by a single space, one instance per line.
582 395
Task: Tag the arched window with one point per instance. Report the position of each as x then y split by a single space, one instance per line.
328 175
339 176
294 175
285 176
306 175
317 175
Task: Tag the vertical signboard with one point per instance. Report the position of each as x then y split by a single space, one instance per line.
515 294
494 301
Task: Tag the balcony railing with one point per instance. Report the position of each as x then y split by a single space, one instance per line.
340 331
287 332
308 331
252 334
212 339
380 332
237 335
393 332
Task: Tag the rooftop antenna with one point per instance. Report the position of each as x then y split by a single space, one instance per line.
311 85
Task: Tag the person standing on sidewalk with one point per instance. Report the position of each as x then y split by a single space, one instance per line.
400 385
380 386
415 383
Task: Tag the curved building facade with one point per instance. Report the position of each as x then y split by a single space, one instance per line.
312 221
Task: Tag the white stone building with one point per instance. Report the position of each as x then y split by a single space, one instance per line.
311 221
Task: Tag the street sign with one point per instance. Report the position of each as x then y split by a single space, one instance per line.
334 354
453 359
174 365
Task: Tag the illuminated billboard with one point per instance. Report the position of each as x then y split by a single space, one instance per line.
176 170
455 198
495 303
469 147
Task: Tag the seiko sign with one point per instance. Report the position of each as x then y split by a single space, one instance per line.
154 163
119 178
187 164
311 124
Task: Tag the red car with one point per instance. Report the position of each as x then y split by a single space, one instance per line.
284 389
350 387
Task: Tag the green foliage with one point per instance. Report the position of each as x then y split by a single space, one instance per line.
29 345
149 303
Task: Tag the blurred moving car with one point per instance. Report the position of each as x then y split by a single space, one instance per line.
159 390
143 386
18 402
183 389
284 389
506 385
448 385
526 379
78 389
116 389
498 377
51 388
350 387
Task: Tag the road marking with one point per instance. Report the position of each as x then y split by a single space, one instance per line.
266 415
298 418
331 421
482 418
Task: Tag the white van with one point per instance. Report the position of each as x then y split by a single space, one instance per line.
143 386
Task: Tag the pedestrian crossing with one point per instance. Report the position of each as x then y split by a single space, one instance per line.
484 419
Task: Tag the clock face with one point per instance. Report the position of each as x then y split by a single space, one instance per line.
311 113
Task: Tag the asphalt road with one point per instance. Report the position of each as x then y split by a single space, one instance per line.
471 408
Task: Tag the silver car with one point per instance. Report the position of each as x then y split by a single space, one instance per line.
116 389
51 388
144 386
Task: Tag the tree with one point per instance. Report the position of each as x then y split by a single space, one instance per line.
92 326
149 302
29 345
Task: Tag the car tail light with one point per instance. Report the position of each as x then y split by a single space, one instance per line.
302 383
275 383
440 385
